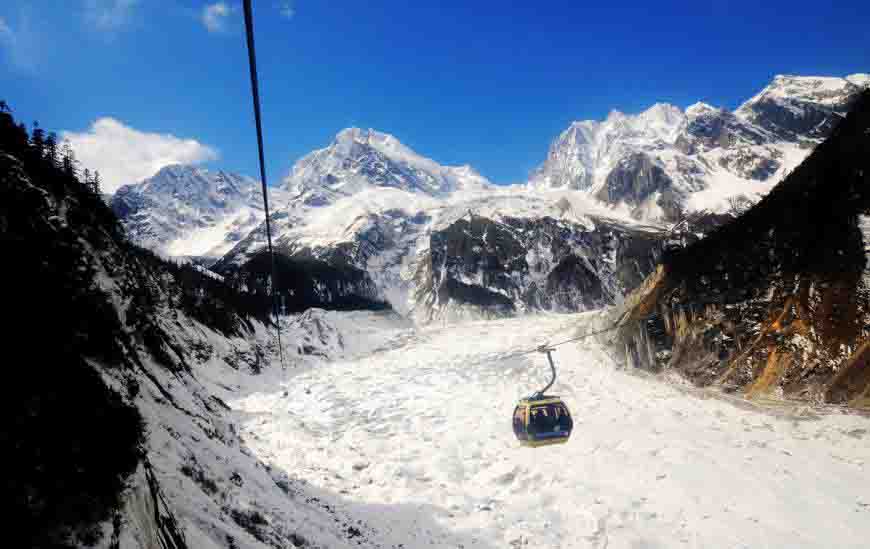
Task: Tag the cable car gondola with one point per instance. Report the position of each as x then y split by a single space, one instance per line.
541 419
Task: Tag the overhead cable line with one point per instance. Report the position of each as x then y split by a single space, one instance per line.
548 347
255 91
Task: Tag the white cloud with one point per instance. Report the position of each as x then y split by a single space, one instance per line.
215 16
5 31
108 15
124 155
286 9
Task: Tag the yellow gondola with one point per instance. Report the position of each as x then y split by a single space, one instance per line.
541 419
542 422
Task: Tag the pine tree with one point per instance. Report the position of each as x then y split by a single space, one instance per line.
37 140
17 141
68 160
95 183
86 178
51 149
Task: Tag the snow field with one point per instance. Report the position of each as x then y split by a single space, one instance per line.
416 440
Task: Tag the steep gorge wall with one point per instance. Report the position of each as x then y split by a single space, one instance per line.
777 303
116 421
482 267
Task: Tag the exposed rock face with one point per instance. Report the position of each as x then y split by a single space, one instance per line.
484 267
776 303
590 147
323 278
703 148
796 108
709 128
569 159
634 180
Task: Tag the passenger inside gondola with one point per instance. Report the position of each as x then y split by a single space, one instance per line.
541 421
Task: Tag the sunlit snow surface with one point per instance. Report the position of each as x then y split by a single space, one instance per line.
416 440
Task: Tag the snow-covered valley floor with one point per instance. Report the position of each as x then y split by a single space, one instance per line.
416 440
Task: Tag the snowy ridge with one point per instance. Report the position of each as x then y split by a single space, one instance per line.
583 154
809 89
703 149
190 211
386 231
654 166
798 108
369 201
359 159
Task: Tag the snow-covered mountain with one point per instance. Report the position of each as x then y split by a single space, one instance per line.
415 233
360 159
158 415
361 202
369 202
665 161
776 303
795 108
189 211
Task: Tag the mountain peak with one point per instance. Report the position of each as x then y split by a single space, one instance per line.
662 111
800 107
699 108
176 211
174 170
360 159
615 114
821 90
365 136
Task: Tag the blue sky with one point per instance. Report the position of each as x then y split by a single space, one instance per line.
484 83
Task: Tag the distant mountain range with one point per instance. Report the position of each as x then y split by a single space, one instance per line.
187 211
443 242
666 161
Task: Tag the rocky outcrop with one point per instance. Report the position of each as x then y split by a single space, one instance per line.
776 303
304 281
636 180
480 267
797 108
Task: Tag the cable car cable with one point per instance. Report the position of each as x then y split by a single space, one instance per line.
541 419
543 348
255 92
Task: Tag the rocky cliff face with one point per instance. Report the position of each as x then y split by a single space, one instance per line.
480 267
794 108
777 303
637 178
